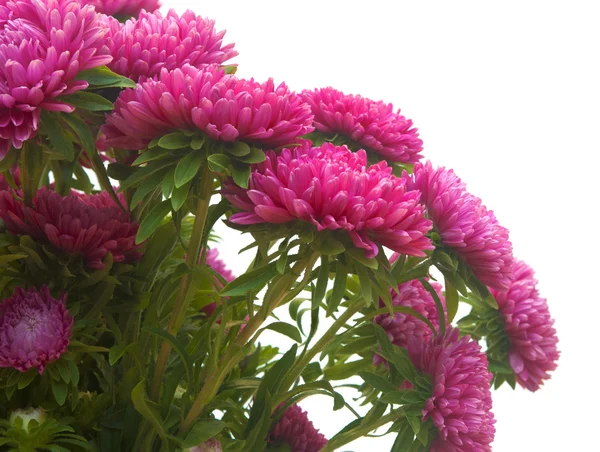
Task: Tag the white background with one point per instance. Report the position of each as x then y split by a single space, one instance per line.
506 93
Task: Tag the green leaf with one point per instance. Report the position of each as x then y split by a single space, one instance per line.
88 101
365 284
60 390
197 142
339 288
138 396
116 352
27 378
359 256
311 372
238 149
345 370
253 281
322 280
415 424
74 372
438 303
331 247
146 187
187 168
202 431
168 182
56 134
284 328
451 300
104 77
377 382
256 156
179 196
241 174
218 163
405 438
177 346
153 220
150 155
5 259
175 140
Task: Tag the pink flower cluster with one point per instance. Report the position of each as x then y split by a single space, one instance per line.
44 44
371 124
35 329
401 327
466 225
142 47
222 106
122 8
86 225
295 430
461 401
529 327
332 188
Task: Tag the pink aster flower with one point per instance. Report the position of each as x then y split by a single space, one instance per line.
401 327
16 175
212 445
332 188
35 329
528 325
371 124
213 261
466 225
295 430
43 47
122 8
461 401
144 46
86 225
222 106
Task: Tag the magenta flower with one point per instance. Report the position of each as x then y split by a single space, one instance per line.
370 124
35 329
43 47
401 327
527 323
86 225
466 225
332 188
222 106
295 430
212 445
461 401
122 8
144 46
213 261
16 175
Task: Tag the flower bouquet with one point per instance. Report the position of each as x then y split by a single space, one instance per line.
126 135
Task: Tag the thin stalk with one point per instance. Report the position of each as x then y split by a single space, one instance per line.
182 300
359 432
276 294
329 335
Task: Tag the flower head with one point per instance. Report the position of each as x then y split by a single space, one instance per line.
86 225
212 445
222 106
123 8
529 328
35 329
214 262
402 326
26 416
16 176
371 124
466 225
43 46
333 189
142 47
295 430
461 401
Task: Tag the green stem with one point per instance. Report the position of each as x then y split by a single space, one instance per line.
182 301
338 441
277 293
297 369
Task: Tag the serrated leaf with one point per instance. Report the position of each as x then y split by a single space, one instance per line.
197 142
187 168
238 149
202 431
153 220
88 101
174 140
218 163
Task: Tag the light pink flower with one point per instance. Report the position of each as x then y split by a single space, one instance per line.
526 320
122 8
332 188
461 403
35 329
212 445
86 225
222 106
297 431
43 47
466 225
402 326
373 125
144 46
213 261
